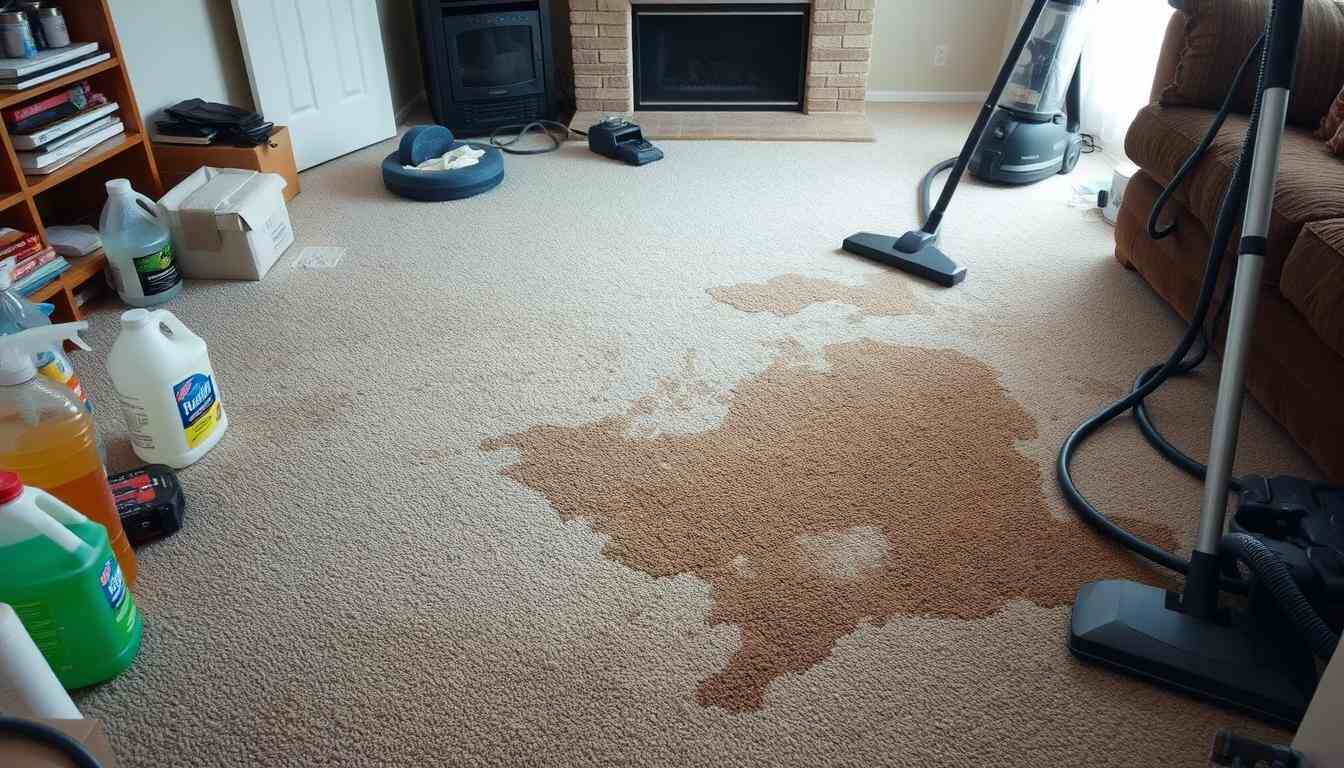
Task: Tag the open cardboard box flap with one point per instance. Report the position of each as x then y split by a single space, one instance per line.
212 200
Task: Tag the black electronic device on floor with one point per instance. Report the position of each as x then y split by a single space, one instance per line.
621 139
490 63
149 501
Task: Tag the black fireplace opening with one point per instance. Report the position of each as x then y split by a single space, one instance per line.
723 57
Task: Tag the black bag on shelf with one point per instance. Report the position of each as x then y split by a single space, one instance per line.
232 124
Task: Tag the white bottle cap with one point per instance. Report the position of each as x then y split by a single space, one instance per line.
119 187
134 318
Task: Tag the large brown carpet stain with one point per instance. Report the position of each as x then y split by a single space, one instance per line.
883 294
888 485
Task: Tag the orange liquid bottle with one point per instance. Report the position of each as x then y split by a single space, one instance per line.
47 437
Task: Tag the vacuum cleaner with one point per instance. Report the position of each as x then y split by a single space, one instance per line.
1027 130
1281 561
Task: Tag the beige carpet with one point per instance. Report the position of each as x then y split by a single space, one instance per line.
630 466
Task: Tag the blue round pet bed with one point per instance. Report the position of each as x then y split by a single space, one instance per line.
428 141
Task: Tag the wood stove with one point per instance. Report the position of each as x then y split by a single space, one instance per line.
487 63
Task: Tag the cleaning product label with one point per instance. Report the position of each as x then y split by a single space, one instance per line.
157 271
137 421
59 370
113 583
198 407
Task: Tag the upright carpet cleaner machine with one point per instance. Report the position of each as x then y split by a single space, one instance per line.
1027 130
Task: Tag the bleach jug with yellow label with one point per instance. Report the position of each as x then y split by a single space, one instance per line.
58 572
168 391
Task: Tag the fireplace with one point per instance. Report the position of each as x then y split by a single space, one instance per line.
724 57
824 44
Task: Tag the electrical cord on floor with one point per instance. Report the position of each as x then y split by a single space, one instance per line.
558 133
47 736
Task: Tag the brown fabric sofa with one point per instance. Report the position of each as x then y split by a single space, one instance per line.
1297 360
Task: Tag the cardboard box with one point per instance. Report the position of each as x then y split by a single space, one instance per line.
18 753
178 161
228 224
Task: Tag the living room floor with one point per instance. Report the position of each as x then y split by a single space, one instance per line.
631 466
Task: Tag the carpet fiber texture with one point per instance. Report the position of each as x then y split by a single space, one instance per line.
631 466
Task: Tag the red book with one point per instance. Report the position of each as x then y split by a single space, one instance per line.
24 246
25 111
33 263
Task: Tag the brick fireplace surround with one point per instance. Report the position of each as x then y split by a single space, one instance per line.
840 46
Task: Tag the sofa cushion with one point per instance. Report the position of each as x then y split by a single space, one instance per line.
1310 186
1219 33
1313 280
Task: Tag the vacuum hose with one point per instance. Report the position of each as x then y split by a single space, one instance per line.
1263 562
926 187
1275 576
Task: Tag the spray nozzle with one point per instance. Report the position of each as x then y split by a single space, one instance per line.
17 349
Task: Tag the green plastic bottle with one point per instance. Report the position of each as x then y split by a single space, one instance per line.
58 572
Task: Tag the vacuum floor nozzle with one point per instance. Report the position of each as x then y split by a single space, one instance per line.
913 252
1134 628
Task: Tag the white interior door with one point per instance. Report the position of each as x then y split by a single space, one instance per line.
317 66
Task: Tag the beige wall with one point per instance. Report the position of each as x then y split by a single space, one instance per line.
178 49
906 32
181 49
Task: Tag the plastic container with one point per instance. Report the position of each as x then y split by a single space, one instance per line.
140 258
167 387
54 32
19 314
16 32
26 679
59 574
48 437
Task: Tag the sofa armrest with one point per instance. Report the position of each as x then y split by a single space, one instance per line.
1207 40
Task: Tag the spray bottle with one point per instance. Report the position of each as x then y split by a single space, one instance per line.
48 437
19 314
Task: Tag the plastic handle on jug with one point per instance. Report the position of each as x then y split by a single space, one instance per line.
45 515
153 209
162 317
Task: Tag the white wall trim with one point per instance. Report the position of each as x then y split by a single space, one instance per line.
939 97
405 110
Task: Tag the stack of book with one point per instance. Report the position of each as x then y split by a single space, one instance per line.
55 130
30 264
48 64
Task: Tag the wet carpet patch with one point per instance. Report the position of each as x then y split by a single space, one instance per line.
888 485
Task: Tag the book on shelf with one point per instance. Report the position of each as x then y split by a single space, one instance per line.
37 78
51 158
64 128
172 132
25 115
45 59
44 275
27 266
17 243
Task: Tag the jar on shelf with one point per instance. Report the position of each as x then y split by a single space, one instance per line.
16 34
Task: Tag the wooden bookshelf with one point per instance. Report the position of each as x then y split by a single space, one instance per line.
74 194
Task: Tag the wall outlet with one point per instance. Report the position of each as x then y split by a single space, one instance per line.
940 55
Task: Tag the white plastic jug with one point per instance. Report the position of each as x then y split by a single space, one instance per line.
140 257
168 392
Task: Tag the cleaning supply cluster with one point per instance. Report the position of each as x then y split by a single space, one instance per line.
67 567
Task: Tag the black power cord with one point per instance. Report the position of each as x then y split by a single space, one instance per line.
558 133
47 736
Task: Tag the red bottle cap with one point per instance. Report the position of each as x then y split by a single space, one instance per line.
11 487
